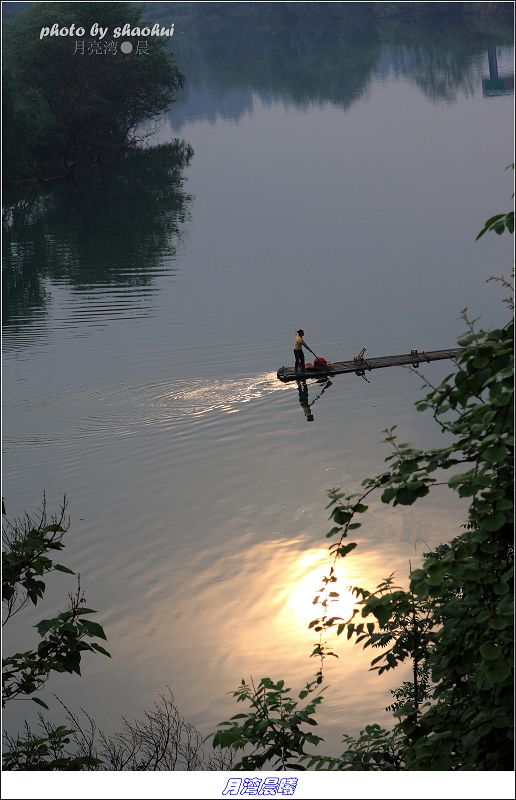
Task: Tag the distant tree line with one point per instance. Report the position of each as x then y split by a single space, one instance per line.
315 52
377 14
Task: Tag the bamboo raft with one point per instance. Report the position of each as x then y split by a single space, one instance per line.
360 365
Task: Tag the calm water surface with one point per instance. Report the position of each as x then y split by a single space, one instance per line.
144 325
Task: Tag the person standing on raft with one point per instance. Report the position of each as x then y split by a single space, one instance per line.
299 343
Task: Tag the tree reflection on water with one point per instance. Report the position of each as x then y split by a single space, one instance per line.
112 226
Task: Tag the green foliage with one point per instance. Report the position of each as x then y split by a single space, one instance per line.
63 642
60 107
374 749
462 595
63 639
499 223
45 753
274 729
26 543
25 563
454 624
402 630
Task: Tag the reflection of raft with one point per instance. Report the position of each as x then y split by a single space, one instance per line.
362 365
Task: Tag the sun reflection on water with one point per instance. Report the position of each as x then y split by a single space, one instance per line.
307 584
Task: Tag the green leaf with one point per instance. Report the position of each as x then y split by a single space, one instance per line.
39 702
489 651
383 616
100 649
456 480
388 495
62 568
345 549
405 497
496 454
92 628
493 523
44 648
44 626
501 623
340 516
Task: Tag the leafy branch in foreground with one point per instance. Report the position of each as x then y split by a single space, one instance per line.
26 541
44 753
64 637
63 642
374 748
274 728
461 595
499 222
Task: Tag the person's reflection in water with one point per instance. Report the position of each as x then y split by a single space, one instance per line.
302 389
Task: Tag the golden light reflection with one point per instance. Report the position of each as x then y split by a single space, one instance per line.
202 397
307 584
246 614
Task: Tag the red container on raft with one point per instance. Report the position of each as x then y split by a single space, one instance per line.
318 364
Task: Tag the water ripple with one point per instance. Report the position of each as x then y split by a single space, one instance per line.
123 409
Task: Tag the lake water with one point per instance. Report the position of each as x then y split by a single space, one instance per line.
143 327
